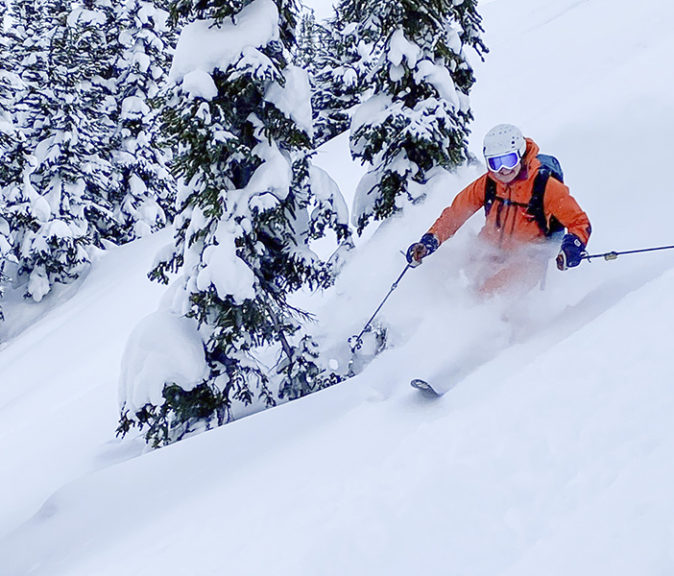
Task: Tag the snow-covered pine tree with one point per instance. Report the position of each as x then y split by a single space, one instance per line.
145 194
241 119
95 28
345 54
11 37
8 133
6 252
304 54
44 255
10 137
171 32
63 179
9 82
417 118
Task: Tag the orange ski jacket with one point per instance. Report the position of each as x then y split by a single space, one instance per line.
508 225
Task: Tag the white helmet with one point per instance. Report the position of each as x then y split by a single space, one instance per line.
504 139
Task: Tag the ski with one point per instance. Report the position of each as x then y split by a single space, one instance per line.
424 387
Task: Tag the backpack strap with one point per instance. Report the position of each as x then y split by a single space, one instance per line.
536 208
489 195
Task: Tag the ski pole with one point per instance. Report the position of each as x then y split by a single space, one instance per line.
614 255
356 342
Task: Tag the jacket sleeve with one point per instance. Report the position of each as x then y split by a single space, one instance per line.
559 203
466 203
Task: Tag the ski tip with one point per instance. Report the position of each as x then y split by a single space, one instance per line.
423 386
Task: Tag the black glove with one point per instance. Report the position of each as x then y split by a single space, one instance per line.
571 252
419 250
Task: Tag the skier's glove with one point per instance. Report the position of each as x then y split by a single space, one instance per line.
419 250
571 252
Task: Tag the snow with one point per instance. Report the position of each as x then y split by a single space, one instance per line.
552 451
372 111
84 17
40 208
142 60
199 84
38 284
439 78
137 186
401 48
205 46
134 107
64 366
326 190
323 9
364 199
269 184
346 175
6 127
163 348
150 11
223 269
293 98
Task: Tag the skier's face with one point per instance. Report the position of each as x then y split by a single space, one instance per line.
507 175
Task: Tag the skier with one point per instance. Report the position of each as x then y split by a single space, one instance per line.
522 213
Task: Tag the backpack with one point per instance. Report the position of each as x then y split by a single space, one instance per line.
550 166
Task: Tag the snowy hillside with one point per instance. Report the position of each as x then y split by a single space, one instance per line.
552 452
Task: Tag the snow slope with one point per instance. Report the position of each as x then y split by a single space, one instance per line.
552 455
58 381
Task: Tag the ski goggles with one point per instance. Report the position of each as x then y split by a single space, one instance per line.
508 161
